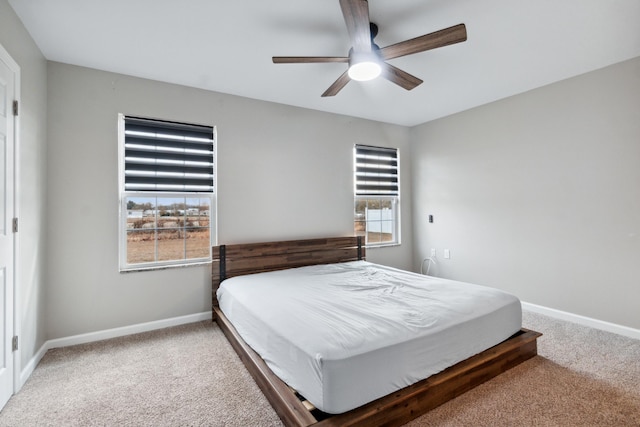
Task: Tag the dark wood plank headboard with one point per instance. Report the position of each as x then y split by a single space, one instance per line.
240 259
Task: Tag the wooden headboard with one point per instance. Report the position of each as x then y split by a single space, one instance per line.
249 258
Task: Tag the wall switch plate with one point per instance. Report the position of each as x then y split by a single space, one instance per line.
433 251
447 254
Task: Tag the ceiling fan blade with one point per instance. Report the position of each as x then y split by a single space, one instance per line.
356 16
307 59
337 85
399 77
445 37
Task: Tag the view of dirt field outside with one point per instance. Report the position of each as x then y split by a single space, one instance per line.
167 229
375 219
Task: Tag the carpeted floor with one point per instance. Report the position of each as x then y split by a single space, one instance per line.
190 376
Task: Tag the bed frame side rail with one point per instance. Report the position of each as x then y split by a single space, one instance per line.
396 408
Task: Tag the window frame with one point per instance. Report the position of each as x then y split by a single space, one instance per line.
124 195
394 198
395 201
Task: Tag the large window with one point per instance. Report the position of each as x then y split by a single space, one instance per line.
377 193
167 198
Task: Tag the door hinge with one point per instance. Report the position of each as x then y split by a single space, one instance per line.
15 107
15 225
14 343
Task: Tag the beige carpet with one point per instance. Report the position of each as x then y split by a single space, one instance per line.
190 376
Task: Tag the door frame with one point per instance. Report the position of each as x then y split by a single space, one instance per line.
15 68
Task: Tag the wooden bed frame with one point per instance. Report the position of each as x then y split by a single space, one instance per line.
392 410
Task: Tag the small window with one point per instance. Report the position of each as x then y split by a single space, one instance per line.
167 198
377 193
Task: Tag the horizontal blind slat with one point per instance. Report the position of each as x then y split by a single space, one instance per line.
137 124
159 168
177 157
138 180
168 143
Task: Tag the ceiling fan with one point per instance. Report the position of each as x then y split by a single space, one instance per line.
366 60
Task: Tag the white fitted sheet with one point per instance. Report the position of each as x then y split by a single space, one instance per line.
345 334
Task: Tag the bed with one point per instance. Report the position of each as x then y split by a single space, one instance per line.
317 369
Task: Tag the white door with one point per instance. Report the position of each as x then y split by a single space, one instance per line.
7 93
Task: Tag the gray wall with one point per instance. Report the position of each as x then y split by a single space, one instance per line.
283 172
539 194
31 180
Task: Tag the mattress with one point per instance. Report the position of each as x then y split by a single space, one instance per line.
345 334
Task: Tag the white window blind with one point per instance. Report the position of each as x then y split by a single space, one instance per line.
168 156
376 171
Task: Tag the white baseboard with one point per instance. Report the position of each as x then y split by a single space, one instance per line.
107 334
128 330
583 320
31 366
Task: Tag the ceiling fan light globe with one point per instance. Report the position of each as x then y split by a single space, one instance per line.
363 71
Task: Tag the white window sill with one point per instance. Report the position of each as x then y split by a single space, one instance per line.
385 245
134 269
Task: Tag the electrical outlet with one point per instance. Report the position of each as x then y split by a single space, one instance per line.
447 254
433 251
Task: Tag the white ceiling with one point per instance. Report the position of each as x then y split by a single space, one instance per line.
226 46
